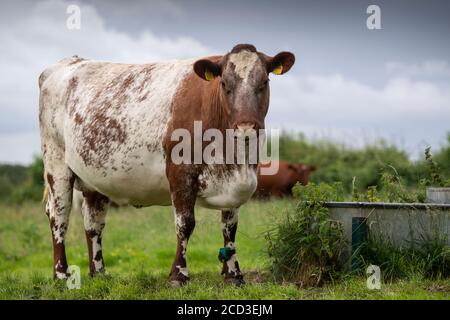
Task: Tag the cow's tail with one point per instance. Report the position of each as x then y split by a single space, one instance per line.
45 194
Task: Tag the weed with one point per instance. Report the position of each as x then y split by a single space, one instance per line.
306 245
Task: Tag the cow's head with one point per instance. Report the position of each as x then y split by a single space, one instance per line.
243 77
300 172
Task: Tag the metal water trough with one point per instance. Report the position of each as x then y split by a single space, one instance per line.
438 195
399 223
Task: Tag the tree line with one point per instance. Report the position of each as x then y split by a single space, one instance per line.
357 168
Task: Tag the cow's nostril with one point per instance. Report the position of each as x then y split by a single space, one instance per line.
244 126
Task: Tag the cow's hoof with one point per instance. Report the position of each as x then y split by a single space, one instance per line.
179 281
176 283
103 274
57 275
237 281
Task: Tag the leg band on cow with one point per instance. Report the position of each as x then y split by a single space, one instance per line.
225 254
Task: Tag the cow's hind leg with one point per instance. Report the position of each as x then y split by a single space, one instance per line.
59 184
93 210
230 263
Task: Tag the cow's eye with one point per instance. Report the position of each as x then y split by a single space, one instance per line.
224 87
263 86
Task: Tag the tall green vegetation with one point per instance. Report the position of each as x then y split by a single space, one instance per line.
436 177
338 162
427 257
22 183
357 169
306 244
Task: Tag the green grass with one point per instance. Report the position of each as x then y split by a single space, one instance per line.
139 245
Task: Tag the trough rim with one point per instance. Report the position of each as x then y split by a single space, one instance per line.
386 205
438 189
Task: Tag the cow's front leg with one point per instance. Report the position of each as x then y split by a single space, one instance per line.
230 263
185 223
93 210
183 200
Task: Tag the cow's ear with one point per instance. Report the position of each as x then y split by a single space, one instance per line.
207 69
281 63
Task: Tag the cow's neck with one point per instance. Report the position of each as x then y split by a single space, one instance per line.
215 113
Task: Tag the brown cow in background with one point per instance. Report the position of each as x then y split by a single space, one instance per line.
281 183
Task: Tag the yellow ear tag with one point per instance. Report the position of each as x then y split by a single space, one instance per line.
209 75
278 70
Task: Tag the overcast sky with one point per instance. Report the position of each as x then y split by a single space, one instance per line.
349 83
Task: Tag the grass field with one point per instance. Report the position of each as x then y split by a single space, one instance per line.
139 245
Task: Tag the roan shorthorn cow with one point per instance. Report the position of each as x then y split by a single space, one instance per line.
106 130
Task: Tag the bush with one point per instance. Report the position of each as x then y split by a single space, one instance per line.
338 162
19 184
425 257
6 187
443 159
306 245
27 192
10 177
335 162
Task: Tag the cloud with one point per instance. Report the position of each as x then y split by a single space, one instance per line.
38 37
411 108
408 112
433 68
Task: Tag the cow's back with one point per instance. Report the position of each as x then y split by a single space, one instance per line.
277 184
111 119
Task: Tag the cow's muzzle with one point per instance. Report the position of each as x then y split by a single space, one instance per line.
245 129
